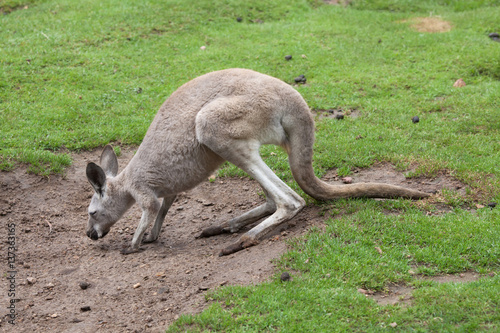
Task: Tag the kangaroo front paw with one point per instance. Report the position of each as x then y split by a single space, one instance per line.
129 250
148 238
243 243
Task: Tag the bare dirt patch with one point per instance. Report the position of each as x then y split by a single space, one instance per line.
344 3
394 294
429 24
336 113
402 294
6 8
454 278
145 291
170 277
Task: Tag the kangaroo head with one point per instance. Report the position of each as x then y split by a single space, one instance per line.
105 208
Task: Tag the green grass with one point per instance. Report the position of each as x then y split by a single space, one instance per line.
79 75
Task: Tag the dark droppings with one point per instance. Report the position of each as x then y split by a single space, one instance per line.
285 276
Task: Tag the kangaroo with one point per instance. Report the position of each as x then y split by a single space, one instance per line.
220 116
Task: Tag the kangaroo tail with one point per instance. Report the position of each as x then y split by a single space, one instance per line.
300 140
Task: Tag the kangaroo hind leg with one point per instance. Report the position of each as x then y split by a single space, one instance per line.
235 224
235 128
286 203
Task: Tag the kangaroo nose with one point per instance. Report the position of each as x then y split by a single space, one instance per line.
92 234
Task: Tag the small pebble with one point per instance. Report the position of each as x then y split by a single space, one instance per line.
339 116
85 308
285 276
415 119
137 285
492 205
84 285
31 280
347 180
288 57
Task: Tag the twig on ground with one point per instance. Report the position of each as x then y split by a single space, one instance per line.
50 226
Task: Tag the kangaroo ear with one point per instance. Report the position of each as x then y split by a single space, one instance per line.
109 161
96 177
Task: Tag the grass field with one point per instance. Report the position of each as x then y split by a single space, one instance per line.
79 75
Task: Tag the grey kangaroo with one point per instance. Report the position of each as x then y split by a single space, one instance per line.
220 116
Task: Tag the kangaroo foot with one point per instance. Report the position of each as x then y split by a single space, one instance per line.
148 238
212 231
129 250
243 243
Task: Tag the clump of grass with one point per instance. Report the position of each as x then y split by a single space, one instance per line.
42 163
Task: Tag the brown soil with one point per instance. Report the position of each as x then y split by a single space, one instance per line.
429 24
344 3
145 291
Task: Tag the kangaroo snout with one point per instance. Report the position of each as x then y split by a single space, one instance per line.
94 235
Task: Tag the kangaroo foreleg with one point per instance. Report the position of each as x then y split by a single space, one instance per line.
155 231
150 210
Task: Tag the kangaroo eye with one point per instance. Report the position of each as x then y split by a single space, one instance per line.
93 213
